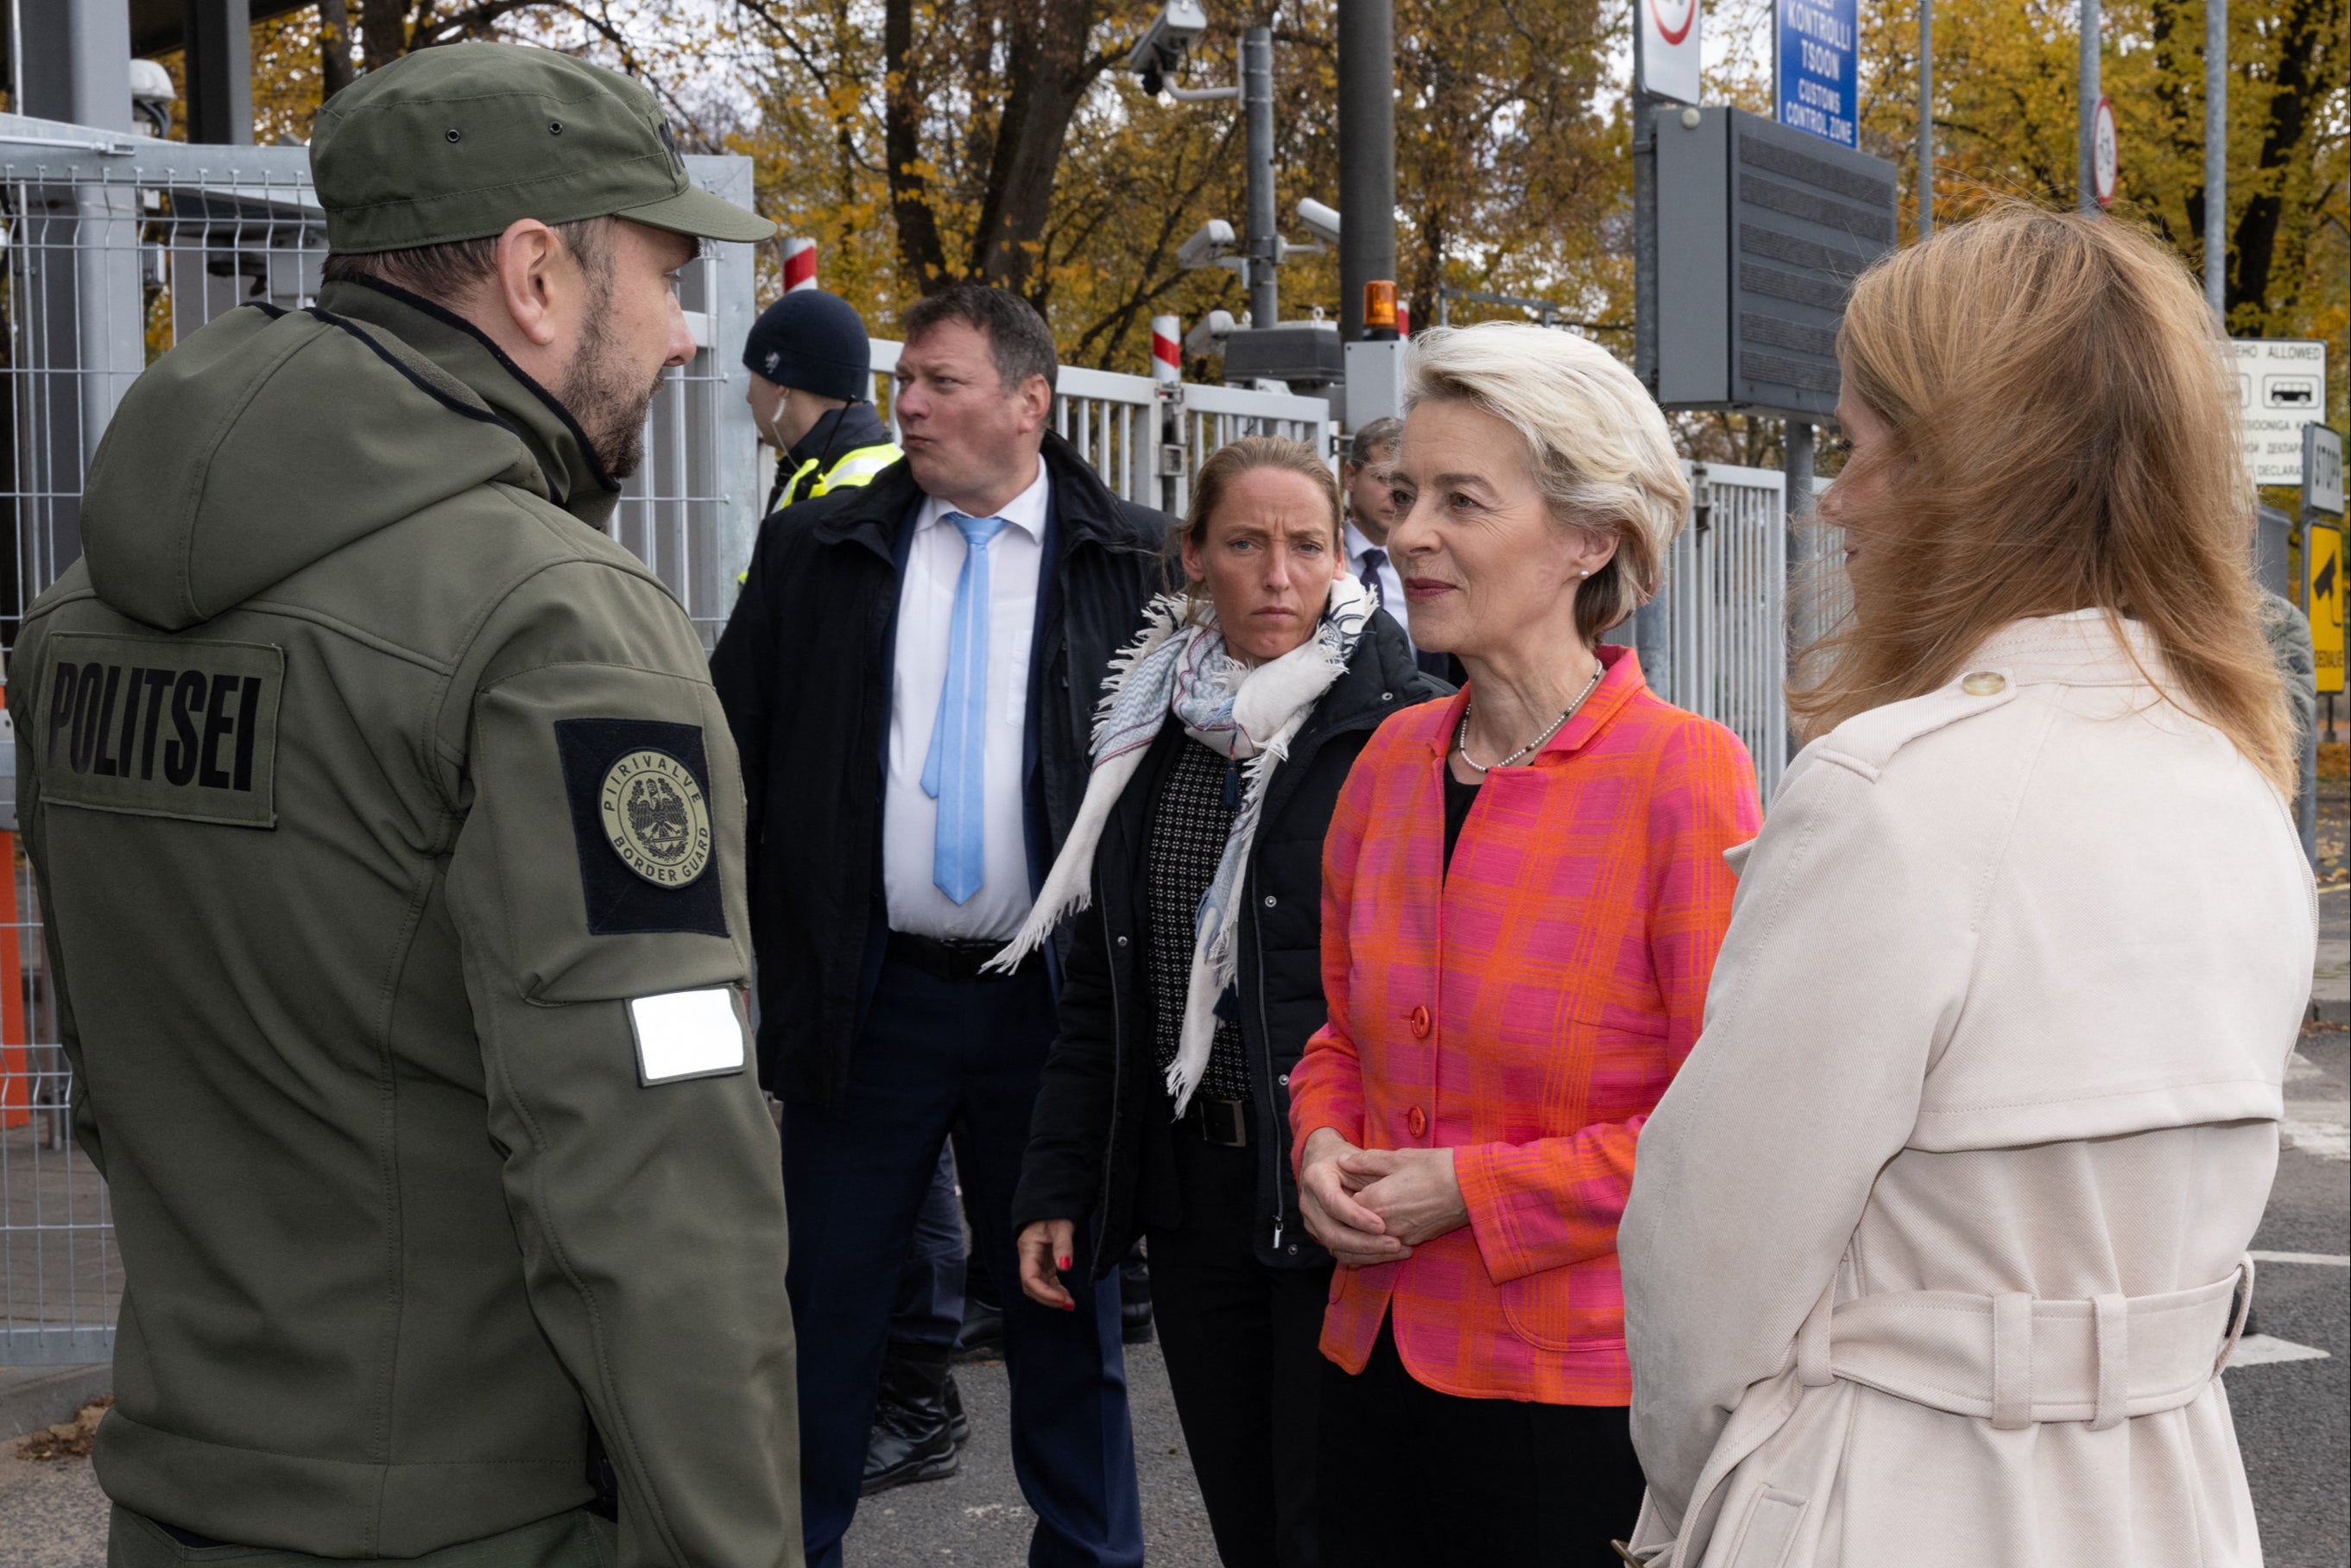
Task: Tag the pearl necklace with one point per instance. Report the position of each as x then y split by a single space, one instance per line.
1461 735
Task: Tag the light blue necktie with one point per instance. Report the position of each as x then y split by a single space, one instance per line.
955 773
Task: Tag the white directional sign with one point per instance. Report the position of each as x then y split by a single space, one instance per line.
2280 387
1665 48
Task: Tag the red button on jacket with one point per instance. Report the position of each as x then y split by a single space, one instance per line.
1419 1023
1417 1120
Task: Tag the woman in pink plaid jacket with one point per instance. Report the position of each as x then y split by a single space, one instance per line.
1524 891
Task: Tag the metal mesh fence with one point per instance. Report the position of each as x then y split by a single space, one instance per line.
113 249
1727 596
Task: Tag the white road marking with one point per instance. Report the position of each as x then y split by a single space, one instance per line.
2329 1259
2325 1136
2260 1349
2316 1123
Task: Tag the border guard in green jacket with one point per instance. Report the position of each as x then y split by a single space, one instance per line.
390 839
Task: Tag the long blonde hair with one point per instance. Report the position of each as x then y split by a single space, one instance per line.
2063 436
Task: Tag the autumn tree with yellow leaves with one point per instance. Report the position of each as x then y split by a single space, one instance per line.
923 140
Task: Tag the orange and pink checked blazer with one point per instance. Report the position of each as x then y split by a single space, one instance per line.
1527 1009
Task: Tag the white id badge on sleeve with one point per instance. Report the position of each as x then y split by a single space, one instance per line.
686 1034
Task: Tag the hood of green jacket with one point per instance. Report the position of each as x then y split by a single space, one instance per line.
271 439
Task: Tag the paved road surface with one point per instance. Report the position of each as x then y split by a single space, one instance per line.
2294 1419
2294 1413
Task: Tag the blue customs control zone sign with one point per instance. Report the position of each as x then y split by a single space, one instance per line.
1818 74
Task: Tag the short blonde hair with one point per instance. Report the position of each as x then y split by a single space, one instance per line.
1596 442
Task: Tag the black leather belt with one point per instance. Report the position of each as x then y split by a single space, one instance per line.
951 960
1224 1123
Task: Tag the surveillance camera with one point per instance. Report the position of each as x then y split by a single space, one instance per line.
1171 32
1208 339
1213 239
149 79
151 95
1320 221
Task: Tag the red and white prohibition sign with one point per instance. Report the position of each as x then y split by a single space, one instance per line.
2105 155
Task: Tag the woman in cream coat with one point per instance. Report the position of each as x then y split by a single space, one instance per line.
1936 1247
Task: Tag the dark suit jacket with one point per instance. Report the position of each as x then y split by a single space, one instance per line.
804 672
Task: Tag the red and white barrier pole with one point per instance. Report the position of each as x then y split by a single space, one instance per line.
799 264
1404 320
1166 349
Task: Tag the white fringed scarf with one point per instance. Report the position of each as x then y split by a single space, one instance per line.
1178 664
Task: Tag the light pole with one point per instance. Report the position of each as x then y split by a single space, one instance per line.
1366 155
2085 163
1263 243
2216 159
1927 118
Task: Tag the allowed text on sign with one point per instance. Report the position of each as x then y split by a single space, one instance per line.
2280 387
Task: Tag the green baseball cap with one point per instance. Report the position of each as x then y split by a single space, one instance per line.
456 142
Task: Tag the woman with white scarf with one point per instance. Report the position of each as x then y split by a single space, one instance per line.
1192 881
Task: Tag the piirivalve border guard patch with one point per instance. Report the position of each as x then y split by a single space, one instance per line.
655 818
641 817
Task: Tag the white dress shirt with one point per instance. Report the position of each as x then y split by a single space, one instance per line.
909 817
1385 581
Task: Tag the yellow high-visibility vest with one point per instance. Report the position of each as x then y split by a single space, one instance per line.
854 468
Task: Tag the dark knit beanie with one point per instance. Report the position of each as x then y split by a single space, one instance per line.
815 341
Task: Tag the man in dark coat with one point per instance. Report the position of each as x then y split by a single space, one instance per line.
911 676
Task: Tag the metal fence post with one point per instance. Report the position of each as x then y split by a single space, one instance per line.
1264 240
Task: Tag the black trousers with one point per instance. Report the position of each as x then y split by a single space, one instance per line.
928 1316
1240 1342
934 1054
1414 1477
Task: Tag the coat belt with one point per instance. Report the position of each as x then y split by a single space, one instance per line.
2017 1360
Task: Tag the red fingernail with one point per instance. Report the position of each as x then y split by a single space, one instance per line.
1069 1306
1061 1263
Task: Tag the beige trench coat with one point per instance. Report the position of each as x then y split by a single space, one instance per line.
1931 1247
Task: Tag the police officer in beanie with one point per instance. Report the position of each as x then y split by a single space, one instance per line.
811 367
390 837
810 395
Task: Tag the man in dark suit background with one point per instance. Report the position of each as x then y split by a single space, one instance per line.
911 676
1363 480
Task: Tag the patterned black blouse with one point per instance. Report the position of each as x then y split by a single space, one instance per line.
1186 838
